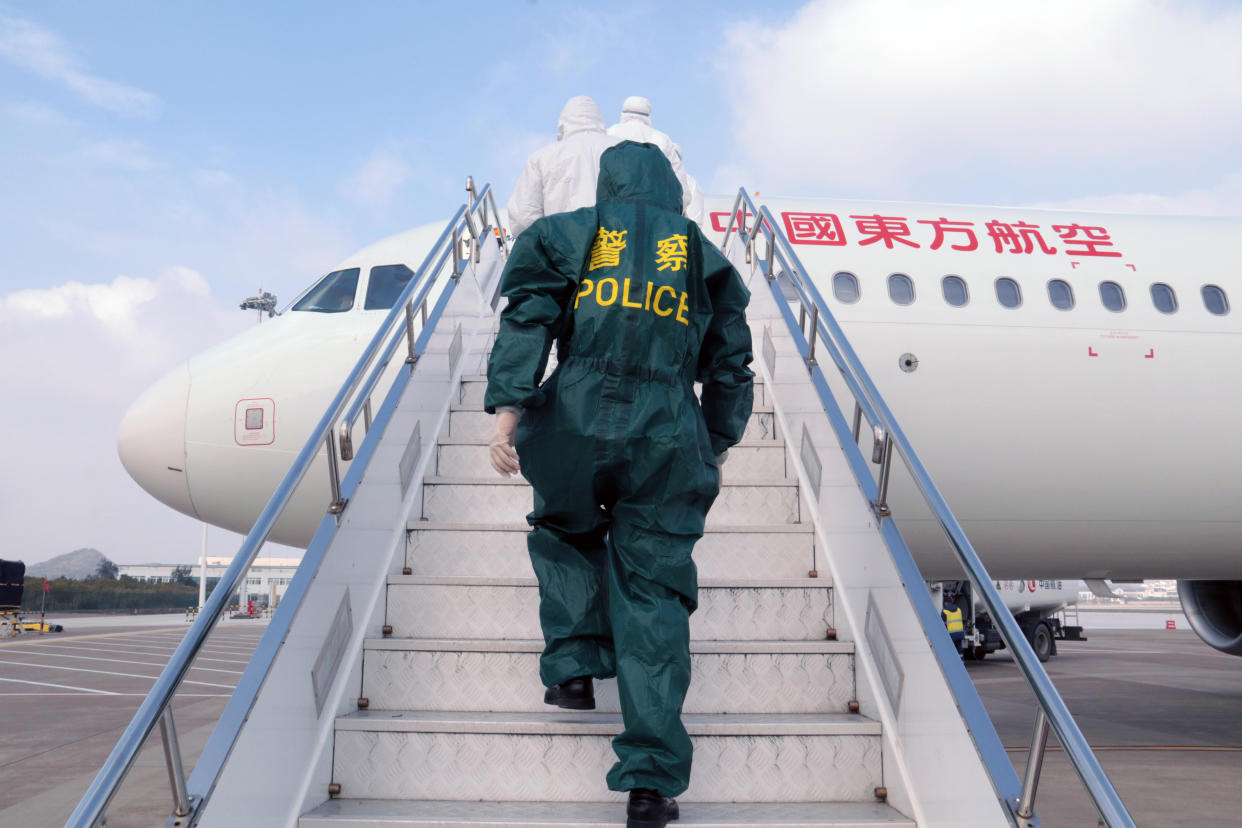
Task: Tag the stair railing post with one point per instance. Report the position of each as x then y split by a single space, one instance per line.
334 475
409 333
886 467
811 336
1034 764
172 759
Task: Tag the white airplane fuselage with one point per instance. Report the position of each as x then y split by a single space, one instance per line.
1071 443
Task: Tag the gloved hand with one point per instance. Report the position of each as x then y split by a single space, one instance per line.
723 456
503 456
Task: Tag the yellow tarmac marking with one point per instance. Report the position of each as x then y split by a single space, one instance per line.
40 638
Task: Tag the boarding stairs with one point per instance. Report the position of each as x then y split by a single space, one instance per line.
398 683
455 730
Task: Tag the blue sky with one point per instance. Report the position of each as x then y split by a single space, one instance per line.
161 161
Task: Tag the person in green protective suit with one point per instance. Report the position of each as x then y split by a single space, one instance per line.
622 456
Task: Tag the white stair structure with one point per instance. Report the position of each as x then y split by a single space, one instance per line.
454 689
398 684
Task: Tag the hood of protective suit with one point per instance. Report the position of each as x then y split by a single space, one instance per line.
581 114
638 172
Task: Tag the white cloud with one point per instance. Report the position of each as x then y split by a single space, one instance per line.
1225 199
131 156
37 114
44 52
118 309
378 180
77 355
880 96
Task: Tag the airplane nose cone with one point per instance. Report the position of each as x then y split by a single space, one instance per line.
151 441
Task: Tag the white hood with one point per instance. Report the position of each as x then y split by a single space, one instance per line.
581 114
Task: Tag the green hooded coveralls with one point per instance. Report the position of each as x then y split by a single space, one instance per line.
619 451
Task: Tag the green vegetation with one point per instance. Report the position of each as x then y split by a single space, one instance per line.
105 594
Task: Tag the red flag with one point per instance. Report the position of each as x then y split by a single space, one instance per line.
46 588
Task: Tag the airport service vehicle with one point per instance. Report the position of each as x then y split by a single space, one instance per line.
1037 605
12 587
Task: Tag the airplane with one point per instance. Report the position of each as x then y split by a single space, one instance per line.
1064 375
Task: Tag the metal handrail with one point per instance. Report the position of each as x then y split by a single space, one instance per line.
871 404
94 802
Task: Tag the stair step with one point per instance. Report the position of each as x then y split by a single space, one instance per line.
564 756
510 499
783 550
472 422
728 676
402 813
798 609
474 388
757 459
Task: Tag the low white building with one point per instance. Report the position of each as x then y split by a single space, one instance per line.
265 583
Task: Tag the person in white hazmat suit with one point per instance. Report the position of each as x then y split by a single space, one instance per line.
635 125
561 176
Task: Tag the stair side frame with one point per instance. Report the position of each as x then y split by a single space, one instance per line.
286 739
935 716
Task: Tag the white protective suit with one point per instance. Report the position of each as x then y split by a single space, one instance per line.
561 176
635 125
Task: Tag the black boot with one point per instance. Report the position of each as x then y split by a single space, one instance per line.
647 809
574 694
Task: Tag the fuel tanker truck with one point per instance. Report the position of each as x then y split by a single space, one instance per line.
1038 607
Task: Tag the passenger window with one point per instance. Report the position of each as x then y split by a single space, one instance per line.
900 288
955 292
1215 300
1060 294
333 294
1008 293
1113 297
385 285
1163 297
845 287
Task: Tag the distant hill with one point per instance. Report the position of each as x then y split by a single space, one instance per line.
79 564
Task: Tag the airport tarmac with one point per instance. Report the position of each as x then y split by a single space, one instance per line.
65 699
1161 708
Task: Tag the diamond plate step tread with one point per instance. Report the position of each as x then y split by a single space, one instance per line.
532 645
404 813
467 421
564 756
509 500
781 550
756 529
574 723
751 459
734 677
508 608
704 583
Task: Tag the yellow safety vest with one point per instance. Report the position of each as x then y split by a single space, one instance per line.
953 620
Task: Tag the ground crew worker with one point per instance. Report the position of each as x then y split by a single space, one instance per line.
635 125
621 454
561 176
953 623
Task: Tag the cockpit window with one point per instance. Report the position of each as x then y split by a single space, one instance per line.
385 285
333 294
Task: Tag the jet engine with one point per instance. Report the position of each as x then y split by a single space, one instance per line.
1214 609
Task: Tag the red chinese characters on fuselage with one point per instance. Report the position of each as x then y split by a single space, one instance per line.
894 232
